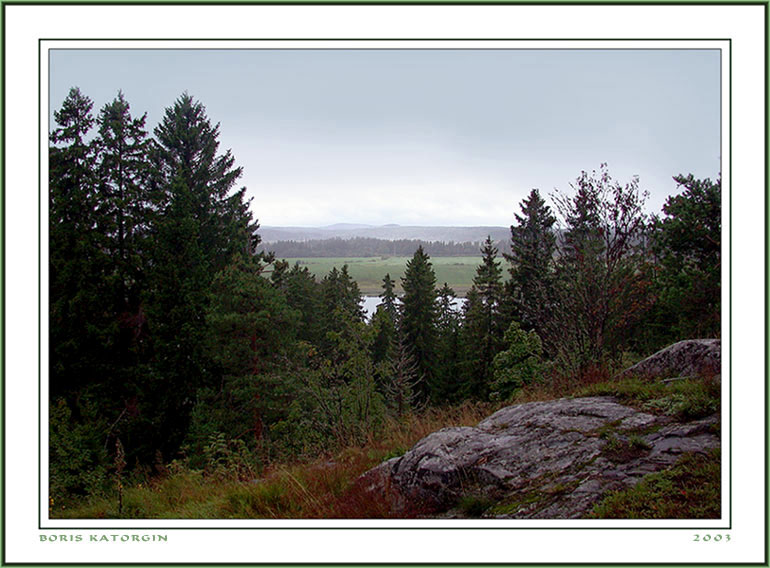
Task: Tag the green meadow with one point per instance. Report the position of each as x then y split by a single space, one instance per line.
368 272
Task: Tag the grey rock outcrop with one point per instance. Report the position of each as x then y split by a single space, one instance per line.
688 358
549 460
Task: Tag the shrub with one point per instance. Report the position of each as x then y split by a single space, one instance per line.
229 459
337 402
520 364
78 457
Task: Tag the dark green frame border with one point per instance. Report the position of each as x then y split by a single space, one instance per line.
406 2
387 3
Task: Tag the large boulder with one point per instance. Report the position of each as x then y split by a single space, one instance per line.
688 358
554 459
550 459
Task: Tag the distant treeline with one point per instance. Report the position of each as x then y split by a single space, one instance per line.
367 246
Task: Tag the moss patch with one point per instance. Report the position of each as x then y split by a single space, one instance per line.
518 502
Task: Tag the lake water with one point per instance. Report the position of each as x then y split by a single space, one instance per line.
370 304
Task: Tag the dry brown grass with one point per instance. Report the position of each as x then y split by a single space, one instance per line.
411 428
558 385
328 487
325 487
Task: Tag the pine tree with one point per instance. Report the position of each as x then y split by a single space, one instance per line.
418 319
533 244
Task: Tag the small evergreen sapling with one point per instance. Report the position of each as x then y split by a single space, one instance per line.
402 380
120 464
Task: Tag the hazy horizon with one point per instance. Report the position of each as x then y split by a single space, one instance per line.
352 223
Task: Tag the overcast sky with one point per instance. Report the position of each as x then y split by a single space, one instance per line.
425 137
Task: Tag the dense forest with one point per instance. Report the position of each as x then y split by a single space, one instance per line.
177 341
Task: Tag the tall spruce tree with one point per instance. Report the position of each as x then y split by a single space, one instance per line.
448 345
126 207
124 211
483 325
203 222
81 322
194 172
79 309
384 322
418 320
533 244
389 299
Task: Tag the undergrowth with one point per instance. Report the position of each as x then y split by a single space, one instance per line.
325 487
322 488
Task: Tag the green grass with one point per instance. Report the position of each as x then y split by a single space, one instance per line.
474 506
368 272
685 399
689 490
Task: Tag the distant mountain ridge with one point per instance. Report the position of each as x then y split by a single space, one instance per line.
388 232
